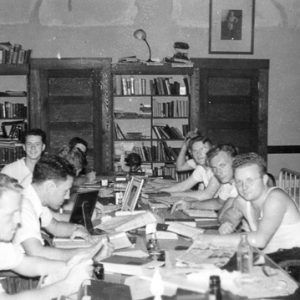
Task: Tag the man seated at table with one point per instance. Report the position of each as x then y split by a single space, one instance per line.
202 175
272 215
12 257
52 179
220 160
34 145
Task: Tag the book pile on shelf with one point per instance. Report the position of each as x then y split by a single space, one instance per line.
167 132
160 153
166 86
128 86
181 56
14 54
171 109
9 110
10 151
14 129
134 135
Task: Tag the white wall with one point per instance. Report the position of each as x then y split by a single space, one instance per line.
92 28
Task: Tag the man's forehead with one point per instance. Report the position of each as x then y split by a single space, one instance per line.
250 169
220 157
34 137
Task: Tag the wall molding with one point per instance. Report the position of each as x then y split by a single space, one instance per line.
283 149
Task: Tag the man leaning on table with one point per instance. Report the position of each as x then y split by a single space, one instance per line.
273 217
12 258
52 179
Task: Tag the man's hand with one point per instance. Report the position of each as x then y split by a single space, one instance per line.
180 205
226 228
81 232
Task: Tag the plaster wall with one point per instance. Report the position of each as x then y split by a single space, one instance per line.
92 28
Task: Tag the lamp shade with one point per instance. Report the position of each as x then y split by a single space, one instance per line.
140 34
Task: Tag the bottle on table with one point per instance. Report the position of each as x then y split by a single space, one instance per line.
244 255
214 288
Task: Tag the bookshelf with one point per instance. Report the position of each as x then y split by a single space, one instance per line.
13 110
151 114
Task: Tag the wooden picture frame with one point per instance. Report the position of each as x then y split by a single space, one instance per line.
132 193
231 26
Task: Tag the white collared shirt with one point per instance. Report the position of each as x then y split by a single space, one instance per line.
226 191
19 171
33 216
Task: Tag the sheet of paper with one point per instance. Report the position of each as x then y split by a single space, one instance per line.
184 230
126 223
200 213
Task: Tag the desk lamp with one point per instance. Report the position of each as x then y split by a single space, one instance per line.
140 34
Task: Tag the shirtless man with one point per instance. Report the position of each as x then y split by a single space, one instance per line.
273 217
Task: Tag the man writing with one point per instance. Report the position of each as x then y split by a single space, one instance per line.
12 258
52 179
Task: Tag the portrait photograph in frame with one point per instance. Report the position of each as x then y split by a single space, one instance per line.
231 26
132 193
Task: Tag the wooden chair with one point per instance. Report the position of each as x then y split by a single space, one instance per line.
289 181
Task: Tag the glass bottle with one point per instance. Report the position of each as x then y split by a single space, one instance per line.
244 255
214 288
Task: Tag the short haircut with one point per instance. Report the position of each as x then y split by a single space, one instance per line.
247 159
37 132
52 167
228 148
8 183
199 138
77 140
133 159
75 157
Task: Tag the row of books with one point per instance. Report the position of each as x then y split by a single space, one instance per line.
167 132
160 153
11 110
171 109
14 54
131 86
166 86
10 151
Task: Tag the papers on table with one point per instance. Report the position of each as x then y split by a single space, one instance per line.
197 255
201 213
127 223
184 230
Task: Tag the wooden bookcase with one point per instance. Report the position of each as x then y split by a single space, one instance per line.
151 110
13 110
72 97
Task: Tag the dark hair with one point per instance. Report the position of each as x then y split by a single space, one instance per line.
199 138
77 140
133 159
250 158
37 132
52 167
75 157
228 148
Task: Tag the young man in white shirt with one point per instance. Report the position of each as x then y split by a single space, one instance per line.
21 169
12 258
52 179
220 160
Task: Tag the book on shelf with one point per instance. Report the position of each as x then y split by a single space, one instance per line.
14 54
118 132
128 86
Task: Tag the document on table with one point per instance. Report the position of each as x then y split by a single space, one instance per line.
184 230
201 213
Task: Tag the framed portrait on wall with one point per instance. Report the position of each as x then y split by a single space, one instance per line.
231 26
